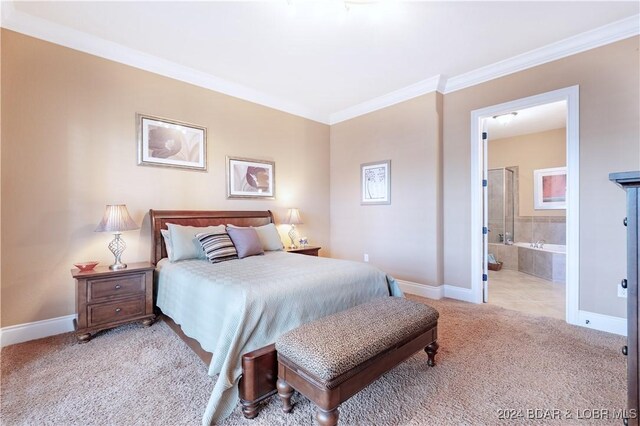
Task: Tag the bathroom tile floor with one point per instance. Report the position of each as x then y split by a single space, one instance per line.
525 293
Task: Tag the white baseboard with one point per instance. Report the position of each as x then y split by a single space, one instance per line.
424 290
601 322
35 330
459 293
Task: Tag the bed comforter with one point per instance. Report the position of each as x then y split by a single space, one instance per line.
238 306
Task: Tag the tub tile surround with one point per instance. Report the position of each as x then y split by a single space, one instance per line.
543 264
508 255
551 229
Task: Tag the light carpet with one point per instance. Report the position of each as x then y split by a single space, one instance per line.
490 359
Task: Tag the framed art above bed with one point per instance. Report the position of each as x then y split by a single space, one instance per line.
171 143
248 178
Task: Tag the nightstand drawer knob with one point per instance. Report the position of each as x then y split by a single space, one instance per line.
118 310
117 287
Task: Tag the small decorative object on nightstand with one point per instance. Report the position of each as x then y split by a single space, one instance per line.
117 219
308 250
107 298
293 218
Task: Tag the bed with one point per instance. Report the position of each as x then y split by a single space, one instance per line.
230 313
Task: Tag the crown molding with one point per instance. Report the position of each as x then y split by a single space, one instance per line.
15 20
417 89
610 33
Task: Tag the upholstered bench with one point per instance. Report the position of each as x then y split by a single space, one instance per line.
333 358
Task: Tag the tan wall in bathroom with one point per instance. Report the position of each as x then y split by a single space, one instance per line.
530 152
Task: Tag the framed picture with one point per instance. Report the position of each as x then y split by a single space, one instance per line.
375 183
248 178
170 143
550 188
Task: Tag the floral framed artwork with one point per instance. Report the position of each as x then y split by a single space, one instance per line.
247 178
375 183
171 143
550 188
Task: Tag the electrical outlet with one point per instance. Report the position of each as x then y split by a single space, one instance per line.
366 257
622 292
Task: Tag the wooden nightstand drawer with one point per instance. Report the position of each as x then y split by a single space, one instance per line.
115 287
116 311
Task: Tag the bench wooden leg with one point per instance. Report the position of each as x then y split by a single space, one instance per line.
285 392
327 418
431 351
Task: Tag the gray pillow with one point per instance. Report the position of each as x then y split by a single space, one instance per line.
246 241
268 235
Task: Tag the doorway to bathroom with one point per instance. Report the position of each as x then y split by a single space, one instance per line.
525 204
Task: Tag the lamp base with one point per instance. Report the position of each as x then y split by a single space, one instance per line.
292 237
117 246
118 266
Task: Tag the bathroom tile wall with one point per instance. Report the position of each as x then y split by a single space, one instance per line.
508 255
551 229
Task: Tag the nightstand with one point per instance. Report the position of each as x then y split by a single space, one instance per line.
308 250
107 299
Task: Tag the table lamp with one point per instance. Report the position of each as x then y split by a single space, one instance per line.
293 218
116 219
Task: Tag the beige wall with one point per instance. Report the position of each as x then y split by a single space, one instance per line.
405 237
69 148
530 152
609 127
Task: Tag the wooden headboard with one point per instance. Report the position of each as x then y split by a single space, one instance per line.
200 218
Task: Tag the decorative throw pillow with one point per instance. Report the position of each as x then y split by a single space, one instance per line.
268 235
184 244
217 246
246 241
167 241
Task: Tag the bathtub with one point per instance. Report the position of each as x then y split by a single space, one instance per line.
548 262
552 248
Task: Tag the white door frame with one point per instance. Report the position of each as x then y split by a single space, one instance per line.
571 96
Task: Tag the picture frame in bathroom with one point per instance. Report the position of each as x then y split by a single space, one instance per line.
550 189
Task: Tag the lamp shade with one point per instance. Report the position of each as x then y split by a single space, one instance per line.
293 217
116 219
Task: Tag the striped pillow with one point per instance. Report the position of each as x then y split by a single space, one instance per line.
217 246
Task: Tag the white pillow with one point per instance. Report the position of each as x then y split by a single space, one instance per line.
167 241
183 241
268 235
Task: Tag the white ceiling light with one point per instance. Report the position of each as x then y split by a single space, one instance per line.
505 119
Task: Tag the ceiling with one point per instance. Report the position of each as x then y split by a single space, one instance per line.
530 120
317 57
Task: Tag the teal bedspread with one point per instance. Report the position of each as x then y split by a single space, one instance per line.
241 305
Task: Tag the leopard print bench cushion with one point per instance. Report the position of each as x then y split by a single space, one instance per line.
340 342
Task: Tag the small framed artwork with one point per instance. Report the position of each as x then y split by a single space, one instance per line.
550 188
170 143
375 183
248 178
